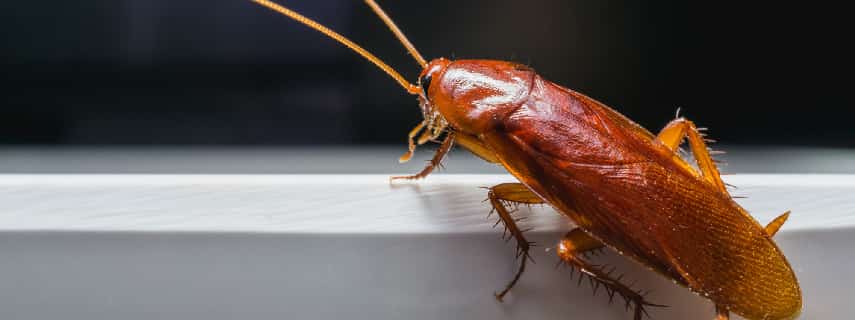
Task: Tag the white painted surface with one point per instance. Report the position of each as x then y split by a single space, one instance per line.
356 160
367 204
354 246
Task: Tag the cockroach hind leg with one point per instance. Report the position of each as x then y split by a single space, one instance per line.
434 162
513 193
571 250
673 135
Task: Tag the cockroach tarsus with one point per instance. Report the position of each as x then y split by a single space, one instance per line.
625 188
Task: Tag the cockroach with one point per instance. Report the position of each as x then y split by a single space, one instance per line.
624 188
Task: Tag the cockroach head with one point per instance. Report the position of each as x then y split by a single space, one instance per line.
434 68
434 121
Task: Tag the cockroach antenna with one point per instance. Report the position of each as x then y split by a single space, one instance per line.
411 88
400 35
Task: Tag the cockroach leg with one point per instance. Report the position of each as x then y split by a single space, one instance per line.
425 137
434 162
516 193
672 136
571 251
579 242
721 313
411 145
475 146
513 193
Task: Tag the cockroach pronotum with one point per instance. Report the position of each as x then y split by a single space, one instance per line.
624 188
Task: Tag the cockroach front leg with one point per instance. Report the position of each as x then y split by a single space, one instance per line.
411 144
672 136
572 250
515 193
435 161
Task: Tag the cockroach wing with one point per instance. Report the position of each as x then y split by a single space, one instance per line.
611 178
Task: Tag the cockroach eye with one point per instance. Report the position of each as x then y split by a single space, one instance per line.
424 82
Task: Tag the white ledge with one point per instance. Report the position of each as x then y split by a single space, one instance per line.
347 246
344 203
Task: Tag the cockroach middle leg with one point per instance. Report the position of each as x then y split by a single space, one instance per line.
672 136
513 193
721 313
571 250
579 242
435 161
475 146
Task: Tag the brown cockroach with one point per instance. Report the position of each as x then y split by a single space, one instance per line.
625 188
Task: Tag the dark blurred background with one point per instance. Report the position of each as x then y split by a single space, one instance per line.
105 72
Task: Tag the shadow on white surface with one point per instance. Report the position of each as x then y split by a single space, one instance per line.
330 247
71 275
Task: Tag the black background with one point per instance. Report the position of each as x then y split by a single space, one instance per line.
230 72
